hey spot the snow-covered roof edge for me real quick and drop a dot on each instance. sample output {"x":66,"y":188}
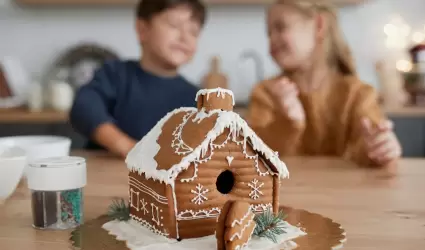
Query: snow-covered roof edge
{"x":141,"y":157}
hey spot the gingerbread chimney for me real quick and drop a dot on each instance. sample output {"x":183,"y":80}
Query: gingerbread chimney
{"x":218,"y":98}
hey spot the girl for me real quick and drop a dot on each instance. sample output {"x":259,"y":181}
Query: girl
{"x":318,"y":106}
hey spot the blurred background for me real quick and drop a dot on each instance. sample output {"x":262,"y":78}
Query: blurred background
{"x":48,"y":48}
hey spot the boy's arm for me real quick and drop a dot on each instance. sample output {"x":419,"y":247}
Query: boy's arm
{"x":365,"y":106}
{"x":91,"y":112}
{"x":278,"y":132}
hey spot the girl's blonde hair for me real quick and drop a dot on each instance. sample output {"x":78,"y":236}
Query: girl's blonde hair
{"x":339,"y":53}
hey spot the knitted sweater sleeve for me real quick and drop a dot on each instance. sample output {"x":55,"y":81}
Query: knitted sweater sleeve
{"x":278,"y":132}
{"x":365,"y":105}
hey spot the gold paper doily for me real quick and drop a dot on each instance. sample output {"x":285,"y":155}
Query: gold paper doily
{"x":322,"y":233}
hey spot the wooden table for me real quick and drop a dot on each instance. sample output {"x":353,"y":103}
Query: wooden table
{"x":378,"y":212}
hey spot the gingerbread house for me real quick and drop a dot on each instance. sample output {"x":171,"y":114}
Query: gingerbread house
{"x":193,"y":161}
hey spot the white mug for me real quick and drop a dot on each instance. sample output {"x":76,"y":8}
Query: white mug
{"x":62,"y":96}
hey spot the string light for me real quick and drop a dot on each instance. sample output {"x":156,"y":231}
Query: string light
{"x":397,"y":32}
{"x":404,"y":65}
{"x":418,"y":37}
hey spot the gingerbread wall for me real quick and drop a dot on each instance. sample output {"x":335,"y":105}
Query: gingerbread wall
{"x":198,"y":200}
{"x":149,"y":204}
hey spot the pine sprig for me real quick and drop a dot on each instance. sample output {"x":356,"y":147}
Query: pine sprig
{"x":119,"y":210}
{"x":269,"y":225}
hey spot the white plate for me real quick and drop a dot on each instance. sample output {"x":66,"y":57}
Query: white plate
{"x":37,"y":147}
{"x":12,"y":165}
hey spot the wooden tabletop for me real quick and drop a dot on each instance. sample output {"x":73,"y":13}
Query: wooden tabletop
{"x":377,"y":211}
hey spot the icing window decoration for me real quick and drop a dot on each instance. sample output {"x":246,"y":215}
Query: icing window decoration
{"x":255,"y":186}
{"x":134,"y":199}
{"x":225,"y":182}
{"x":155,"y":214}
{"x":199,"y":194}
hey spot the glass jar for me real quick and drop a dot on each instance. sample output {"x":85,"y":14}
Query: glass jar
{"x":56,"y":186}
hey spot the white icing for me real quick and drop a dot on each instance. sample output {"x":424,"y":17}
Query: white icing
{"x":229,"y":159}
{"x":144,"y":208}
{"x":147,"y":190}
{"x":199,"y":194}
{"x":141,"y":157}
{"x":260,"y":208}
{"x":240,"y":234}
{"x":178,"y":144}
{"x":175,"y":208}
{"x":139,"y":238}
{"x":201,"y":214}
{"x":148,"y":226}
{"x":155,"y":214}
{"x":239,"y":222}
{"x":136,"y":206}
{"x":255,"y":192}
{"x":219,"y":91}
{"x":244,"y":245}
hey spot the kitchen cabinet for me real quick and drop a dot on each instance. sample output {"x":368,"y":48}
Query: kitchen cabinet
{"x":411,"y":134}
{"x":133,"y":2}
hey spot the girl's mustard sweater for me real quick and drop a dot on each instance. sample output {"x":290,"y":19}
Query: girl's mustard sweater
{"x":333,"y":120}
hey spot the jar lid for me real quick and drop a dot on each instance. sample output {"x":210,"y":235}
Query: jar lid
{"x":57,"y":173}
{"x":58,"y":162}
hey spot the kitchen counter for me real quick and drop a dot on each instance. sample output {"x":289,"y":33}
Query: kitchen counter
{"x":409,"y":126}
{"x":378,"y":212}
{"x":391,"y":112}
{"x":22,"y":115}
{"x":405,"y":111}
{"x":50,"y":116}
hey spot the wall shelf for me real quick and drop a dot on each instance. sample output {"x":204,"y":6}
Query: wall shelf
{"x":124,"y":3}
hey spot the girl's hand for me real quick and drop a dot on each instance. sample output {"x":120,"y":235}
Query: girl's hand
{"x":381,"y":142}
{"x":286,"y":94}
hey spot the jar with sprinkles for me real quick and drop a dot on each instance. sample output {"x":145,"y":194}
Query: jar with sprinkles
{"x":56,"y":186}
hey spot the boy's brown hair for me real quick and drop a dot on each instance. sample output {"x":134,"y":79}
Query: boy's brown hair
{"x":146,"y":9}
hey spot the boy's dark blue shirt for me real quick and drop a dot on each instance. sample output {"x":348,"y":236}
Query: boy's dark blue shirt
{"x":133,"y":99}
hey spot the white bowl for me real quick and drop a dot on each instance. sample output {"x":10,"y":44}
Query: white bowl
{"x":37,"y":147}
{"x":12,"y":164}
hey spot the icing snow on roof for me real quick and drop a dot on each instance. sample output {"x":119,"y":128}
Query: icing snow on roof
{"x":220,"y":93}
{"x":141,"y":157}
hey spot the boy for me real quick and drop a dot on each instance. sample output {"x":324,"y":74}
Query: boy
{"x":124,"y":100}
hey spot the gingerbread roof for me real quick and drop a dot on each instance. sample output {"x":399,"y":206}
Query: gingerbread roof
{"x":186,"y":135}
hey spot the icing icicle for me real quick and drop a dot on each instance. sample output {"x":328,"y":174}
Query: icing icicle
{"x":219,"y":91}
